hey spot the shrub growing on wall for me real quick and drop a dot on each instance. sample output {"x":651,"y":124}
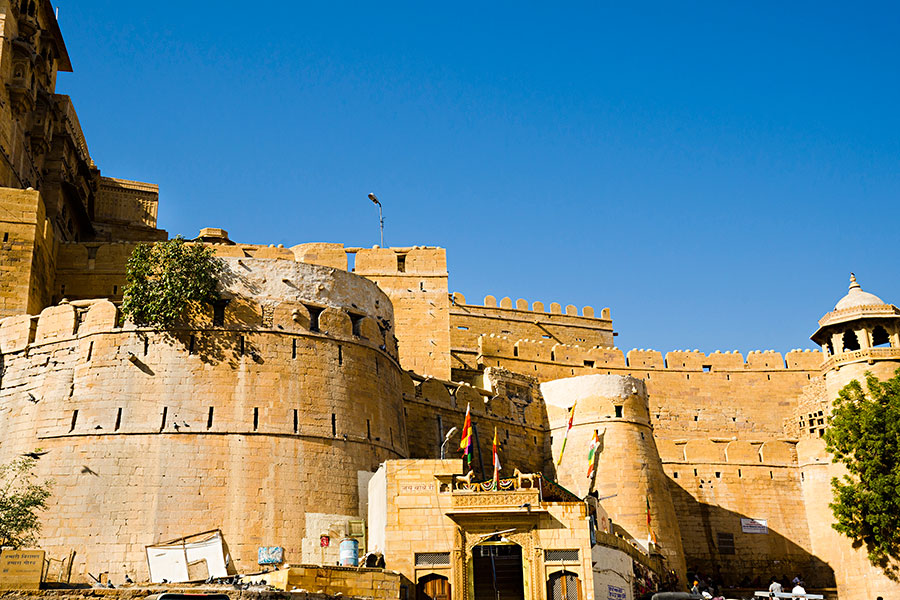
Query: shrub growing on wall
{"x":163,"y":278}
{"x":864,"y":434}
{"x":21,"y":497}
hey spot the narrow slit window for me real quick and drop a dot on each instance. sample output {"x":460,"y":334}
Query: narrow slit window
{"x":241,"y":345}
{"x":74,"y":420}
{"x":340,"y":355}
{"x":255,"y":419}
{"x":192,"y":344}
{"x":296,"y":421}
{"x":118,"y":419}
{"x":294,"y":348}
{"x":209,"y":418}
{"x":6,"y":236}
{"x":333,"y":425}
{"x":368,"y":430}
{"x":401,"y":263}
{"x":165,"y":412}
{"x":90,"y":351}
{"x":146,"y":346}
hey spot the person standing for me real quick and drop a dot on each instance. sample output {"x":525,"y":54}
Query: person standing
{"x":775,"y":587}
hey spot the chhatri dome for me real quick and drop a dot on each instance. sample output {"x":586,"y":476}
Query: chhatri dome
{"x":857,"y":297}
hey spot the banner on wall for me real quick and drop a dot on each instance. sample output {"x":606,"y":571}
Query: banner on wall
{"x":754,"y":525}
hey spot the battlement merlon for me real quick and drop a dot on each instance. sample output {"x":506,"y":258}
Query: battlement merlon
{"x":492,"y":347}
{"x":521,"y":305}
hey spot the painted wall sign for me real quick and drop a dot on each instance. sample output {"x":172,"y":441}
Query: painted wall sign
{"x":615,"y":592}
{"x":21,"y":569}
{"x":754,"y":525}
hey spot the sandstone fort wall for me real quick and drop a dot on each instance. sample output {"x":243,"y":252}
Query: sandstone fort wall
{"x":716,"y":483}
{"x":555,"y":324}
{"x":692,"y":394}
{"x":264,"y":426}
{"x":28,"y":251}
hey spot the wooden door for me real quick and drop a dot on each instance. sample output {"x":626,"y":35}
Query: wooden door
{"x":433,"y":587}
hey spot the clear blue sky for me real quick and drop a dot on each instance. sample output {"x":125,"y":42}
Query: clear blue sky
{"x":710,"y":171}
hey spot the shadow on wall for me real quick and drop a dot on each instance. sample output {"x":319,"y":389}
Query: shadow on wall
{"x":715,"y":545}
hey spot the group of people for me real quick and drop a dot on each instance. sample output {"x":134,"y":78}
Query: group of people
{"x":799,"y":588}
{"x":706,"y":588}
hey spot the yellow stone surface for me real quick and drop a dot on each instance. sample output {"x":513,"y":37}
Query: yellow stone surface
{"x":21,"y":569}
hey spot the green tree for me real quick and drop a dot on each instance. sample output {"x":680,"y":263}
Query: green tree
{"x":164,"y":277}
{"x":864,"y":435}
{"x":21,"y":497}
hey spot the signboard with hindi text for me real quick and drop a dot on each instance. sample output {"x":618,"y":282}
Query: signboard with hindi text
{"x":754,"y":525}
{"x":21,"y":569}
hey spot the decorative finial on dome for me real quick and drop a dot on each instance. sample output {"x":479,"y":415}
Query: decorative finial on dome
{"x":853,"y":283}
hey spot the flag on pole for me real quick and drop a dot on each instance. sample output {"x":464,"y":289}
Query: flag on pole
{"x":465,"y":444}
{"x":566,"y":436}
{"x":496,"y":463}
{"x":592,"y":453}
{"x":651,"y":537}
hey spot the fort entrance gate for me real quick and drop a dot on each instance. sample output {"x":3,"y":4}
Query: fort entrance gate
{"x":497,"y":572}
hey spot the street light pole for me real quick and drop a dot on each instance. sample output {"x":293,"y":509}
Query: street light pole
{"x":447,"y":439}
{"x":374,"y":199}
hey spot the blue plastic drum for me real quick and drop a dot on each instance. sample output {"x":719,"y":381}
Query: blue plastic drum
{"x":349,"y":552}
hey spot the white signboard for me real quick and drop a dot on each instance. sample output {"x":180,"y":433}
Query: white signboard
{"x":754,"y":525}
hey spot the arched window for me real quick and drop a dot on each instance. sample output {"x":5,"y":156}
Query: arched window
{"x":563,"y":585}
{"x":851,"y":342}
{"x":880,"y":336}
{"x":433,"y":587}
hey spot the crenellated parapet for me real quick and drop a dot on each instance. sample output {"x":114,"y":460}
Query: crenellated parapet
{"x":493,"y":347}
{"x":522,"y":305}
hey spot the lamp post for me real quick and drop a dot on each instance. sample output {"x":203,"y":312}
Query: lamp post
{"x":447,"y":439}
{"x":374,"y":199}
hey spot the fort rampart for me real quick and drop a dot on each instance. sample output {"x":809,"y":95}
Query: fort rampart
{"x":265,"y":420}
{"x":692,"y":394}
{"x":716,"y":483}
{"x":518,"y":320}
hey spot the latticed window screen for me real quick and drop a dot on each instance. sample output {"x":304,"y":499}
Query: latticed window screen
{"x":726,"y":542}
{"x":560,"y":555}
{"x":432,"y":559}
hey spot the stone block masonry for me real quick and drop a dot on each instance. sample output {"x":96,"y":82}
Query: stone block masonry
{"x":249,"y":426}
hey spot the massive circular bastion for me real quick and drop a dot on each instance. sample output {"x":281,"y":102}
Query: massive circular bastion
{"x":262,"y":416}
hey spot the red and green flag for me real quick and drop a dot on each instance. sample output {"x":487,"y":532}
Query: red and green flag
{"x":566,"y":436}
{"x":496,"y":463}
{"x":651,"y":537}
{"x":592,"y":453}
{"x":465,"y":444}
